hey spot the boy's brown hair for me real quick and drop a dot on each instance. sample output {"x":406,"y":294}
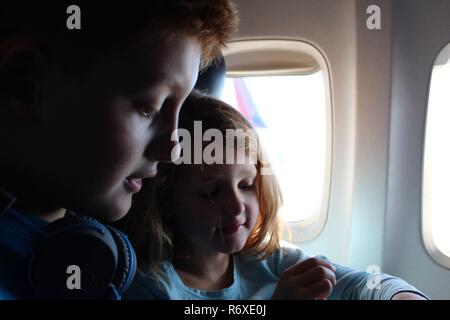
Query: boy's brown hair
{"x":114,"y":26}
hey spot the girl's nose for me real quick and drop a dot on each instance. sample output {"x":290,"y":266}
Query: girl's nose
{"x":234,"y":203}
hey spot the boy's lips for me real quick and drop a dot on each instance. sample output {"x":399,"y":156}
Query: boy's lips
{"x":133,"y":184}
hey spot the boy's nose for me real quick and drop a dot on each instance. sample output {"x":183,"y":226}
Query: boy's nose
{"x":168,"y":149}
{"x":164,"y":146}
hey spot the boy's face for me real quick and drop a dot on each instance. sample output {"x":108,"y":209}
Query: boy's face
{"x":215,"y":207}
{"x":101,"y":136}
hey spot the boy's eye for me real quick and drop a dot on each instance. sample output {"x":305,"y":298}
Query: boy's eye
{"x":145,"y":108}
{"x":147,"y":115}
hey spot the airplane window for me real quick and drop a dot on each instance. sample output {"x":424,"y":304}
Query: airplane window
{"x":289,"y":113}
{"x":283,"y":88}
{"x":436,"y":171}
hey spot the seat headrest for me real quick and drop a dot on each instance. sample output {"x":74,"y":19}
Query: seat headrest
{"x":212,"y":79}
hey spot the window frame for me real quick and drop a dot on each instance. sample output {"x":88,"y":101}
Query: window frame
{"x":310,"y":228}
{"x":426,"y":218}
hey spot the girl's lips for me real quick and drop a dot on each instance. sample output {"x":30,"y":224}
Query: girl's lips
{"x":231,"y":229}
{"x":133,"y":184}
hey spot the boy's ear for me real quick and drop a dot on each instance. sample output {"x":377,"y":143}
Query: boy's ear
{"x":20,"y":75}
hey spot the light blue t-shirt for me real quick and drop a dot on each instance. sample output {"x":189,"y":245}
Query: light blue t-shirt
{"x":257,"y":279}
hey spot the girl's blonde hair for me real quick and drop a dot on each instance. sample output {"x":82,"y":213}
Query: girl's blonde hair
{"x":149,"y":226}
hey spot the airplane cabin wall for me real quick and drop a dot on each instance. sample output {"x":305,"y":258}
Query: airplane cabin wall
{"x":420,"y":30}
{"x":359,"y":61}
{"x":326,"y":25}
{"x":379,"y":87}
{"x":373,"y":64}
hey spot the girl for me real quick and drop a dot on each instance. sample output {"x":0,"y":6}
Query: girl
{"x":209,"y":229}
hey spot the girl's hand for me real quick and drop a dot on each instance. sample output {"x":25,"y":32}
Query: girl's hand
{"x":311,"y":279}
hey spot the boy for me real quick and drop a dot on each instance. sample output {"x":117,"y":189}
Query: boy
{"x":87,"y":114}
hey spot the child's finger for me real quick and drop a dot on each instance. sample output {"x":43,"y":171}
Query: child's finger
{"x":313,"y":275}
{"x":319,"y":290}
{"x":307,"y":264}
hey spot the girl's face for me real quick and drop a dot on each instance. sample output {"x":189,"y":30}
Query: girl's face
{"x":215,"y":206}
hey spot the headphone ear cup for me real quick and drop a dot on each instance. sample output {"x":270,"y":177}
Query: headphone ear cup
{"x":127,"y":261}
{"x":77,"y":260}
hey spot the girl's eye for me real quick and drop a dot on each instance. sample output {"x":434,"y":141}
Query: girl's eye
{"x":247,"y":187}
{"x":209,"y":193}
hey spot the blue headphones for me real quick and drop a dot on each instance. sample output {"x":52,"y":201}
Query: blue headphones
{"x":80,"y":258}
{"x":75,"y":257}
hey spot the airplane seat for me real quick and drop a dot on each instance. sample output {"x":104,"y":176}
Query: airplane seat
{"x":212,"y":79}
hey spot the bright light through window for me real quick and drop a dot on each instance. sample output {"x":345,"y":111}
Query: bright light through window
{"x":436,"y":188}
{"x":289,"y":113}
